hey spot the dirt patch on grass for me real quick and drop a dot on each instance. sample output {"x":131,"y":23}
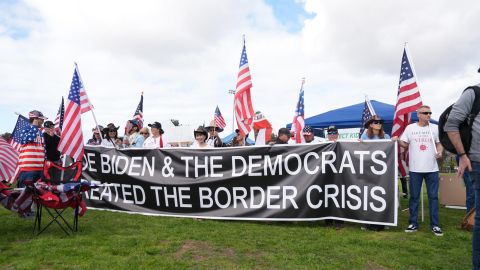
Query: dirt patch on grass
{"x":201,"y":251}
{"x":374,"y":266}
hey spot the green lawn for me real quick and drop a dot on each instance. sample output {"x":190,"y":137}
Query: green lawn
{"x":109,"y":240}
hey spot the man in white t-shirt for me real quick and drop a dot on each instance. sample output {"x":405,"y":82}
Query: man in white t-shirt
{"x":424,"y":149}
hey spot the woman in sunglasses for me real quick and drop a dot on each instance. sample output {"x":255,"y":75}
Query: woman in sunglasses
{"x":111,"y":135}
{"x":374,"y":129}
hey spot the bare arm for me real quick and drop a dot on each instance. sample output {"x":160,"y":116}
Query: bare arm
{"x":464,"y":162}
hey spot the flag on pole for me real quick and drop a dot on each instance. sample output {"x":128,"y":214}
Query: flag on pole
{"x":137,"y":115}
{"x":367,"y":113}
{"x":263,"y":127}
{"x":408,"y":101}
{"x":243,"y":102}
{"x":15,"y":140}
{"x":85,"y":104}
{"x":59,"y":118}
{"x":299,"y":119}
{"x":219,"y":120}
{"x":71,"y":139}
{"x":8,"y":160}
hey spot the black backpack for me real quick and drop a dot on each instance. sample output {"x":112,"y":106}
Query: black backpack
{"x":465,"y":127}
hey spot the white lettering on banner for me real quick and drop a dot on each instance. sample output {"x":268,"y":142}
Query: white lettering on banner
{"x":276,"y":164}
{"x":253,"y":166}
{"x":298,"y":167}
{"x":271,"y":196}
{"x":205,"y":194}
{"x":347,"y":163}
{"x":234,"y":166}
{"x":330,"y":162}
{"x":90,"y":162}
{"x":361,"y":154}
{"x":260,"y":194}
{"x":333,"y":193}
{"x":135,"y":194}
{"x":187,"y":169}
{"x":379,"y":162}
{"x":119,"y":165}
{"x":241,"y":198}
{"x":307,"y":169}
{"x":177,"y":195}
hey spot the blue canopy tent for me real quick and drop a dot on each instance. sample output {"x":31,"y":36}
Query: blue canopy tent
{"x":351,"y":117}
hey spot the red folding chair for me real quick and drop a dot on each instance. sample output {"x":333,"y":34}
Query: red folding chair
{"x":59,"y":190}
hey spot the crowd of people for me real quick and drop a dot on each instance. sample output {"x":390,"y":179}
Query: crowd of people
{"x":39,"y":142}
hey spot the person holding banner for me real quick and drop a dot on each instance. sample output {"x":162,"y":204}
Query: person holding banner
{"x":424,"y":148}
{"x":200,"y":135}
{"x":156,"y":140}
{"x":111,"y":136}
{"x":213,"y":138}
{"x":96,"y":137}
{"x":284,"y":136}
{"x":309,"y":136}
{"x":374,"y":131}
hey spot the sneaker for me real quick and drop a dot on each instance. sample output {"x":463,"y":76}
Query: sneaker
{"x":437,"y":231}
{"x":411,"y":228}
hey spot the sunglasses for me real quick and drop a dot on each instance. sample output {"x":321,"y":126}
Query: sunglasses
{"x":143,"y":133}
{"x":332,"y":132}
{"x":425,"y":113}
{"x":376,"y":122}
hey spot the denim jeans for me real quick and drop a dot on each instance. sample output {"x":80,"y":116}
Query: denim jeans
{"x":28,"y":175}
{"x":416,"y":180}
{"x":469,"y":190}
{"x":475,"y":176}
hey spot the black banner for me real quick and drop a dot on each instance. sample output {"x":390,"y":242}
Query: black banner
{"x":345,"y":180}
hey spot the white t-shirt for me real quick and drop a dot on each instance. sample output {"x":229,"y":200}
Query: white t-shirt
{"x":151,"y":142}
{"x":421,"y":152}
{"x":108,"y":143}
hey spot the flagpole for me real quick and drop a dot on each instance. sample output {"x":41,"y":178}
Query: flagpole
{"x":370,"y":106}
{"x":91,"y":107}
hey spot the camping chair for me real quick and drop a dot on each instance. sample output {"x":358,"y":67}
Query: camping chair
{"x":59,"y":190}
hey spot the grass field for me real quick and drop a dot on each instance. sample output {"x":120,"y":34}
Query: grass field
{"x":108,"y":240}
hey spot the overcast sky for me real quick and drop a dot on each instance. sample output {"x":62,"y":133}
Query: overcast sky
{"x":184,"y":55}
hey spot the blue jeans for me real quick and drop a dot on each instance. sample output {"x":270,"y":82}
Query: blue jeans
{"x":475,"y":176}
{"x":416,"y":180}
{"x":29,"y":175}
{"x":469,"y":190}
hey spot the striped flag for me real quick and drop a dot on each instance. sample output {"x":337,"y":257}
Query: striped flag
{"x":299,"y":119}
{"x":22,"y":122}
{"x":243,"y":102}
{"x":8,"y":160}
{"x":368,"y":112}
{"x":408,"y":101}
{"x":84,"y":101}
{"x":219,"y":120}
{"x":71,"y":139}
{"x":59,"y":118}
{"x":137,"y":115}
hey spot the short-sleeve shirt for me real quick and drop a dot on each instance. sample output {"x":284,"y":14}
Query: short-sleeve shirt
{"x":421,"y":151}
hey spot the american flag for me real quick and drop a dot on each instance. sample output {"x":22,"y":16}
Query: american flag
{"x":299,"y":119}
{"x":408,"y":100}
{"x":84,"y":101}
{"x":137,"y":115}
{"x":22,"y":122}
{"x":367,"y":113}
{"x":139,"y":112}
{"x":32,"y":151}
{"x":219,"y":120}
{"x":59,"y":118}
{"x":8,"y":160}
{"x":243,"y":102}
{"x":71,"y":139}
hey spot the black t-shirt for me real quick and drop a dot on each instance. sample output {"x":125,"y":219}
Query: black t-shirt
{"x":51,"y":144}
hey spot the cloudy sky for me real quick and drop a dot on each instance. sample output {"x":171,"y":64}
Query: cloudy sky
{"x":184,"y":55}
